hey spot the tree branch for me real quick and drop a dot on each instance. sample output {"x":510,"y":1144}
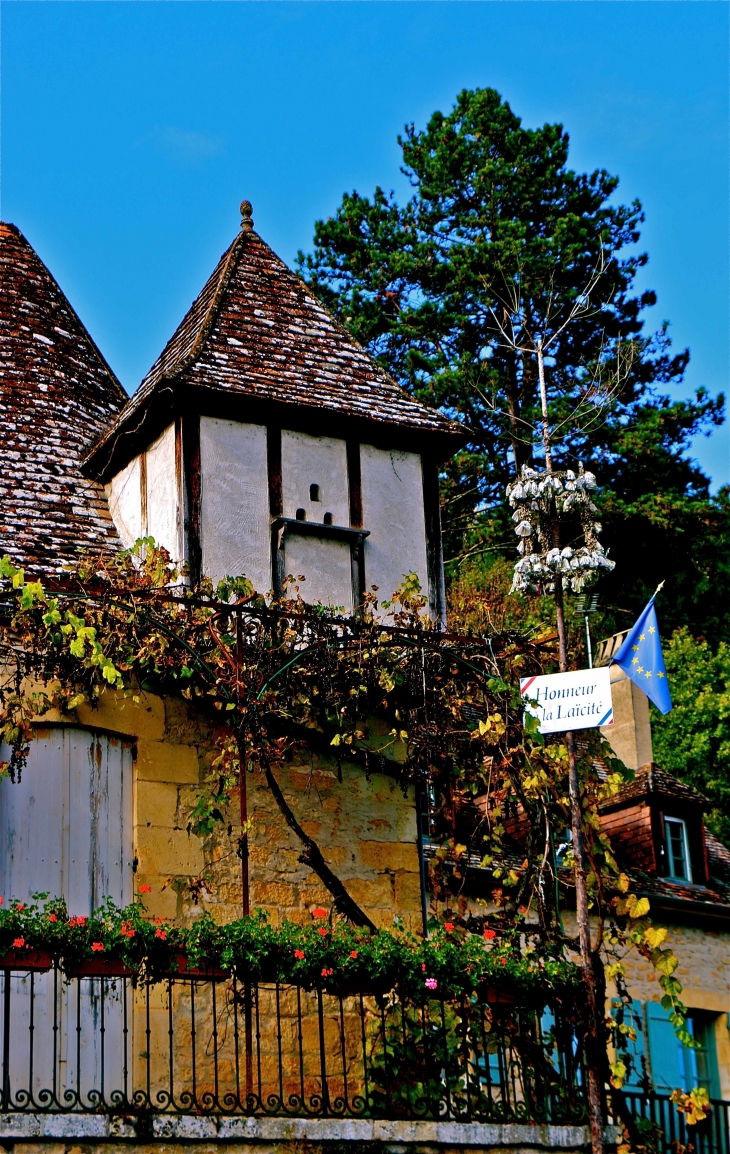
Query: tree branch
{"x":311,"y":855}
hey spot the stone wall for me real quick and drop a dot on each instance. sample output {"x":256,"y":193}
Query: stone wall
{"x":365,"y":827}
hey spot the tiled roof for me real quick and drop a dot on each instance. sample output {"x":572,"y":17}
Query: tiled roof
{"x":652,"y":780}
{"x":56,"y":394}
{"x":257,"y":332}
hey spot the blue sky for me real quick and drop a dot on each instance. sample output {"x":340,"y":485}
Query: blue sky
{"x":131,"y":131}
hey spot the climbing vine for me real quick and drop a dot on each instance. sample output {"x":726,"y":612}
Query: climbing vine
{"x":381,"y":690}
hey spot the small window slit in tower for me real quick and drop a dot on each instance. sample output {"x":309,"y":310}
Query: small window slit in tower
{"x":329,"y":519}
{"x":315,"y":493}
{"x":301,"y":514}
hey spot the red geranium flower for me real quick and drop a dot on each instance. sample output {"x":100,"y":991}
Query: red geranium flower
{"x":19,"y":943}
{"x":318,"y":912}
{"x":299,"y":954}
{"x":97,"y":947}
{"x":490,"y":934}
{"x":503,"y":961}
{"x":160,"y":934}
{"x":21,"y":906}
{"x":353,"y":953}
{"x":145,"y":889}
{"x":448,"y":926}
{"x":327,"y":973}
{"x":322,"y":931}
{"x":52,"y":918}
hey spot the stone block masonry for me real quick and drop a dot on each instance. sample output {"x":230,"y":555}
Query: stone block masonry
{"x":365,"y":827}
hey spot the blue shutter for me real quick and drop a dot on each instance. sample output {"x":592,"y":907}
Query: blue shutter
{"x":637,"y":1051}
{"x":667,"y":1056}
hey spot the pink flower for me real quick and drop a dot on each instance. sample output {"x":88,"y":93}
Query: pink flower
{"x":97,"y":947}
{"x":145,"y":889}
{"x":490,"y":934}
{"x":19,"y":943}
{"x":431,"y":984}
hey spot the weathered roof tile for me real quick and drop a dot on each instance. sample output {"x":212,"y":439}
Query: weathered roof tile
{"x":56,"y":394}
{"x":257,"y":332}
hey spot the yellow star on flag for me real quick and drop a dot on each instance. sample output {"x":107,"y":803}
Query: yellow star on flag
{"x":635,"y":648}
{"x":634,"y":660}
{"x":652,"y":629}
{"x":660,"y":674}
{"x":642,"y":637}
{"x":648,"y":673}
{"x":640,"y":669}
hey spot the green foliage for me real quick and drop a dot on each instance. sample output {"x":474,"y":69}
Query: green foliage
{"x":498,"y":226}
{"x":693,"y":740}
{"x":325,"y":954}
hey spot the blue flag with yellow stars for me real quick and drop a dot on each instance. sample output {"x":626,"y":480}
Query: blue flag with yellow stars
{"x":641,"y":659}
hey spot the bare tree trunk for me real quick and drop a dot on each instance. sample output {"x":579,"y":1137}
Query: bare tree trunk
{"x":593,"y":1064}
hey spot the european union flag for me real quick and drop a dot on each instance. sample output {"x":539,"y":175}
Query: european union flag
{"x":641,"y":659}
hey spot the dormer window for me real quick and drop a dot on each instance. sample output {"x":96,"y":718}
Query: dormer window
{"x":678,"y":860}
{"x":315,"y":493}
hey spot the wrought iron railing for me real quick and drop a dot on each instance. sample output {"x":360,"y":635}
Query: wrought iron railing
{"x":671,"y":1131}
{"x":214,"y":1045}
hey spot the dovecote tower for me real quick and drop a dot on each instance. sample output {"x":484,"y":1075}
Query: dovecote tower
{"x":57,"y":393}
{"x":265,"y":441}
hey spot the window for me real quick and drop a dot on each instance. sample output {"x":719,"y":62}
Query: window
{"x":675,"y":832}
{"x":329,"y":519}
{"x":315,"y":493}
{"x":301,"y":514}
{"x":673,"y":1064}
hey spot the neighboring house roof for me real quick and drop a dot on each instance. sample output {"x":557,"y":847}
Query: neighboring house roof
{"x":56,"y":394}
{"x":651,"y":780}
{"x":257,"y":340}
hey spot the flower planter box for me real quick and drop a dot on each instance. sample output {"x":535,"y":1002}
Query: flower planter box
{"x":498,"y":996}
{"x":182,"y":969}
{"x":99,"y":968}
{"x":36,"y":960}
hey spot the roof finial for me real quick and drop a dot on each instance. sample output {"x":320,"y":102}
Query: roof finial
{"x":246,"y":221}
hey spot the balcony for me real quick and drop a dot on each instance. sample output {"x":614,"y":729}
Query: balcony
{"x":208,"y":1050}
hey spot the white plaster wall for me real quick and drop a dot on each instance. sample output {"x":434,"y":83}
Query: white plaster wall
{"x":125,"y":503}
{"x":322,"y":461}
{"x":234,"y":514}
{"x":163,"y":511}
{"x":392,"y":509}
{"x":327,"y":567}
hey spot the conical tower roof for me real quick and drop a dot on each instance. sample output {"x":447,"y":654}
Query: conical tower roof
{"x":257,"y":345}
{"x":57,"y":394}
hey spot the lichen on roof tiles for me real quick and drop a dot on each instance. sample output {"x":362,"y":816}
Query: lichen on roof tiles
{"x":56,"y":394}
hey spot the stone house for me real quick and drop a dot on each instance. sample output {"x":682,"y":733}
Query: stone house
{"x":265,"y":441}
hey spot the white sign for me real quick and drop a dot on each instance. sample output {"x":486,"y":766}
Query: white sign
{"x":579,"y":700}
